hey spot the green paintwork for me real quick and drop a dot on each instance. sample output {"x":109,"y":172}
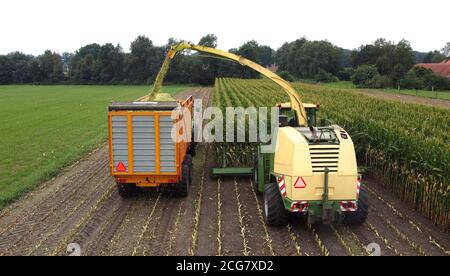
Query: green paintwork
{"x":265,"y":168}
{"x":233,"y":171}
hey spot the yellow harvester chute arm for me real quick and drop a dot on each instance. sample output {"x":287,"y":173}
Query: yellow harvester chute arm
{"x":296,"y":103}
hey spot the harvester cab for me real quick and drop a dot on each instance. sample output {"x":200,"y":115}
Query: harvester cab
{"x":285,"y":111}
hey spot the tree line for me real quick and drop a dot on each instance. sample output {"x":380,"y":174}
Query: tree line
{"x":381,"y":64}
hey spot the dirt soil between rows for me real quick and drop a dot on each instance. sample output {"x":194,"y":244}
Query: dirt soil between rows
{"x":219,"y":217}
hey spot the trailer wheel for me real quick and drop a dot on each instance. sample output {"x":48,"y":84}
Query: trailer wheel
{"x":188,"y":160}
{"x":181,"y":188}
{"x":192,"y":149}
{"x":192,"y":145}
{"x":126,"y":190}
{"x":274,"y":212}
{"x":359,"y":216}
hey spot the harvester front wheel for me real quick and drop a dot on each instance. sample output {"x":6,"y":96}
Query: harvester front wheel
{"x":274,"y":212}
{"x":126,"y":190}
{"x":358,"y":217}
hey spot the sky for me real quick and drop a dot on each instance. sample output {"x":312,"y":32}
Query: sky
{"x":32,"y":26}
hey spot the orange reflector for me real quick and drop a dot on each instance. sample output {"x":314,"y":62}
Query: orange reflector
{"x":121,"y":167}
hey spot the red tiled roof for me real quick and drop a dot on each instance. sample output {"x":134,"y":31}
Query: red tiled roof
{"x":441,"y":69}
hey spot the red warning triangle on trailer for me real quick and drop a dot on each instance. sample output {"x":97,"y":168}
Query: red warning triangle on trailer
{"x":121,"y":167}
{"x":300,"y":183}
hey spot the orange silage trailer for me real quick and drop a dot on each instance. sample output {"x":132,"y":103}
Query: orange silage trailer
{"x":151,"y":145}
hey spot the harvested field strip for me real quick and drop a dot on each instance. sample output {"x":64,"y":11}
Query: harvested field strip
{"x":382,"y":238}
{"x":62,"y":245}
{"x":127,"y":232}
{"x":399,"y":233}
{"x":219,"y":219}
{"x":26,"y":228}
{"x":62,"y":220}
{"x":421,"y":229}
{"x":323,"y":249}
{"x":175,"y":229}
{"x":245,"y":249}
{"x":95,"y":245}
{"x":267,"y":239}
{"x":198,"y":206}
{"x":294,"y":240}
{"x":327,"y":237}
{"x":349,"y":241}
{"x":145,"y":227}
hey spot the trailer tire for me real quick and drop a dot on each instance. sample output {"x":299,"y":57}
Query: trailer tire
{"x":358,"y":217}
{"x":126,"y":190}
{"x":188,"y":160}
{"x":192,"y":149}
{"x":274,"y":212}
{"x":182,"y":187}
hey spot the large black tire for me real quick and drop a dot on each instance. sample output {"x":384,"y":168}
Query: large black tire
{"x":193,"y":145}
{"x":359,"y":217}
{"x":182,"y":187}
{"x":274,"y":212}
{"x":188,"y":160}
{"x":126,"y":190}
{"x":192,"y":149}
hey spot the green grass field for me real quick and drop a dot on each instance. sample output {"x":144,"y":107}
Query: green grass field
{"x":45,"y":128}
{"x":443,"y":95}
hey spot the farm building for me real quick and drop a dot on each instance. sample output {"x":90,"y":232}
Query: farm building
{"x":441,"y":69}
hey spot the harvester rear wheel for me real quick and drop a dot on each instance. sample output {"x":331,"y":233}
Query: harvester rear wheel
{"x":126,"y":190}
{"x":274,"y":212}
{"x":182,"y":187}
{"x":359,"y":216}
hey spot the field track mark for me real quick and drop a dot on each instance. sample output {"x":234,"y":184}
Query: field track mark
{"x":382,"y":238}
{"x":26,"y":230}
{"x":50,"y":196}
{"x":399,"y":233}
{"x":70,"y":214}
{"x":421,"y":229}
{"x":145,"y":227}
{"x":295,"y":241}
{"x":156,"y":241}
{"x":255,"y":234}
{"x":267,"y":239}
{"x":349,"y":241}
{"x":125,"y":225}
{"x":329,"y":240}
{"x":174,"y":230}
{"x":219,"y":219}
{"x":245,"y":248}
{"x":95,"y":246}
{"x":42,"y":211}
{"x":320,"y":244}
{"x":65,"y":241}
{"x":194,"y":243}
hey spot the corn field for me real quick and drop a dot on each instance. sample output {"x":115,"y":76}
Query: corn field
{"x":405,"y":145}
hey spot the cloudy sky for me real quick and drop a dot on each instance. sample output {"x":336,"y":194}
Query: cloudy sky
{"x":65,"y":25}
